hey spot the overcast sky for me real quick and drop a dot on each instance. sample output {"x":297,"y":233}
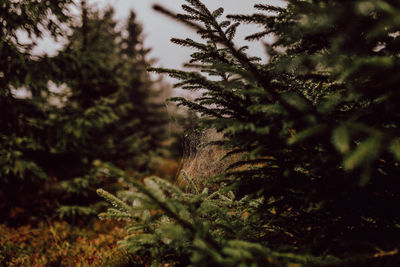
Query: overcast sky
{"x":158,"y":29}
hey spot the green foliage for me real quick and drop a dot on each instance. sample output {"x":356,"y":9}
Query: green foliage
{"x":317,"y":127}
{"x":168,"y":226}
{"x":111,"y":94}
{"x":13,"y":162}
{"x":23,"y":85}
{"x":93,"y":101}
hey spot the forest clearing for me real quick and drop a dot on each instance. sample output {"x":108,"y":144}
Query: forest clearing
{"x":290,"y":159}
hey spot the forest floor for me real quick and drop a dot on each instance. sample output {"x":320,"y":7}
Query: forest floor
{"x":58,"y":243}
{"x":55,"y":242}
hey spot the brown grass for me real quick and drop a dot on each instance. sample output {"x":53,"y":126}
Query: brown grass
{"x":202,"y":162}
{"x":58,"y":243}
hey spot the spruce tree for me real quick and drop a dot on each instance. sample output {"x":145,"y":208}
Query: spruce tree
{"x":316,"y":130}
{"x":23,"y":91}
{"x":66,"y":114}
{"x":294,"y":112}
{"x":111,"y":114}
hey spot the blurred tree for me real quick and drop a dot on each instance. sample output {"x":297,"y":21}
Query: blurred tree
{"x":63,"y":115}
{"x":138,"y":87}
{"x":23,"y":91}
{"x":112,"y":113}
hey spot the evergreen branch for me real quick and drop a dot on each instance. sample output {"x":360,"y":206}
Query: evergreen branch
{"x":203,"y":31}
{"x":218,"y":12}
{"x":192,"y":87}
{"x":269,"y":8}
{"x":255,"y":18}
{"x":250,"y":174}
{"x":234,"y":152}
{"x":231,"y":31}
{"x":117,"y":214}
{"x":194,"y":106}
{"x":191,"y":18}
{"x":249,"y":163}
{"x":262,"y":78}
{"x":258,"y":35}
{"x":116,"y":202}
{"x":165,"y":206}
{"x":191,"y":10}
{"x":199,"y":5}
{"x":175,"y":191}
{"x":225,"y":24}
{"x":192,"y":78}
{"x":190,"y":43}
{"x":240,"y":56}
{"x":170,"y":212}
{"x":182,"y":75}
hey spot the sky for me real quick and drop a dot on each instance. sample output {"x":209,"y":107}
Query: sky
{"x":158,"y":29}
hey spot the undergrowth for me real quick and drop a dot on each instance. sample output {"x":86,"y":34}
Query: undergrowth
{"x":57,"y":243}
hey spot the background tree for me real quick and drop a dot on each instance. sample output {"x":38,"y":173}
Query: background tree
{"x":93,"y":102}
{"x":111,"y":113}
{"x":23,"y":83}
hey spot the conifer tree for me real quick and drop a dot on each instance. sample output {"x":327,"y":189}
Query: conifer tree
{"x":139,"y":88}
{"x":23,"y":87}
{"x":109,"y":115}
{"x":89,"y":103}
{"x":316,"y":127}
